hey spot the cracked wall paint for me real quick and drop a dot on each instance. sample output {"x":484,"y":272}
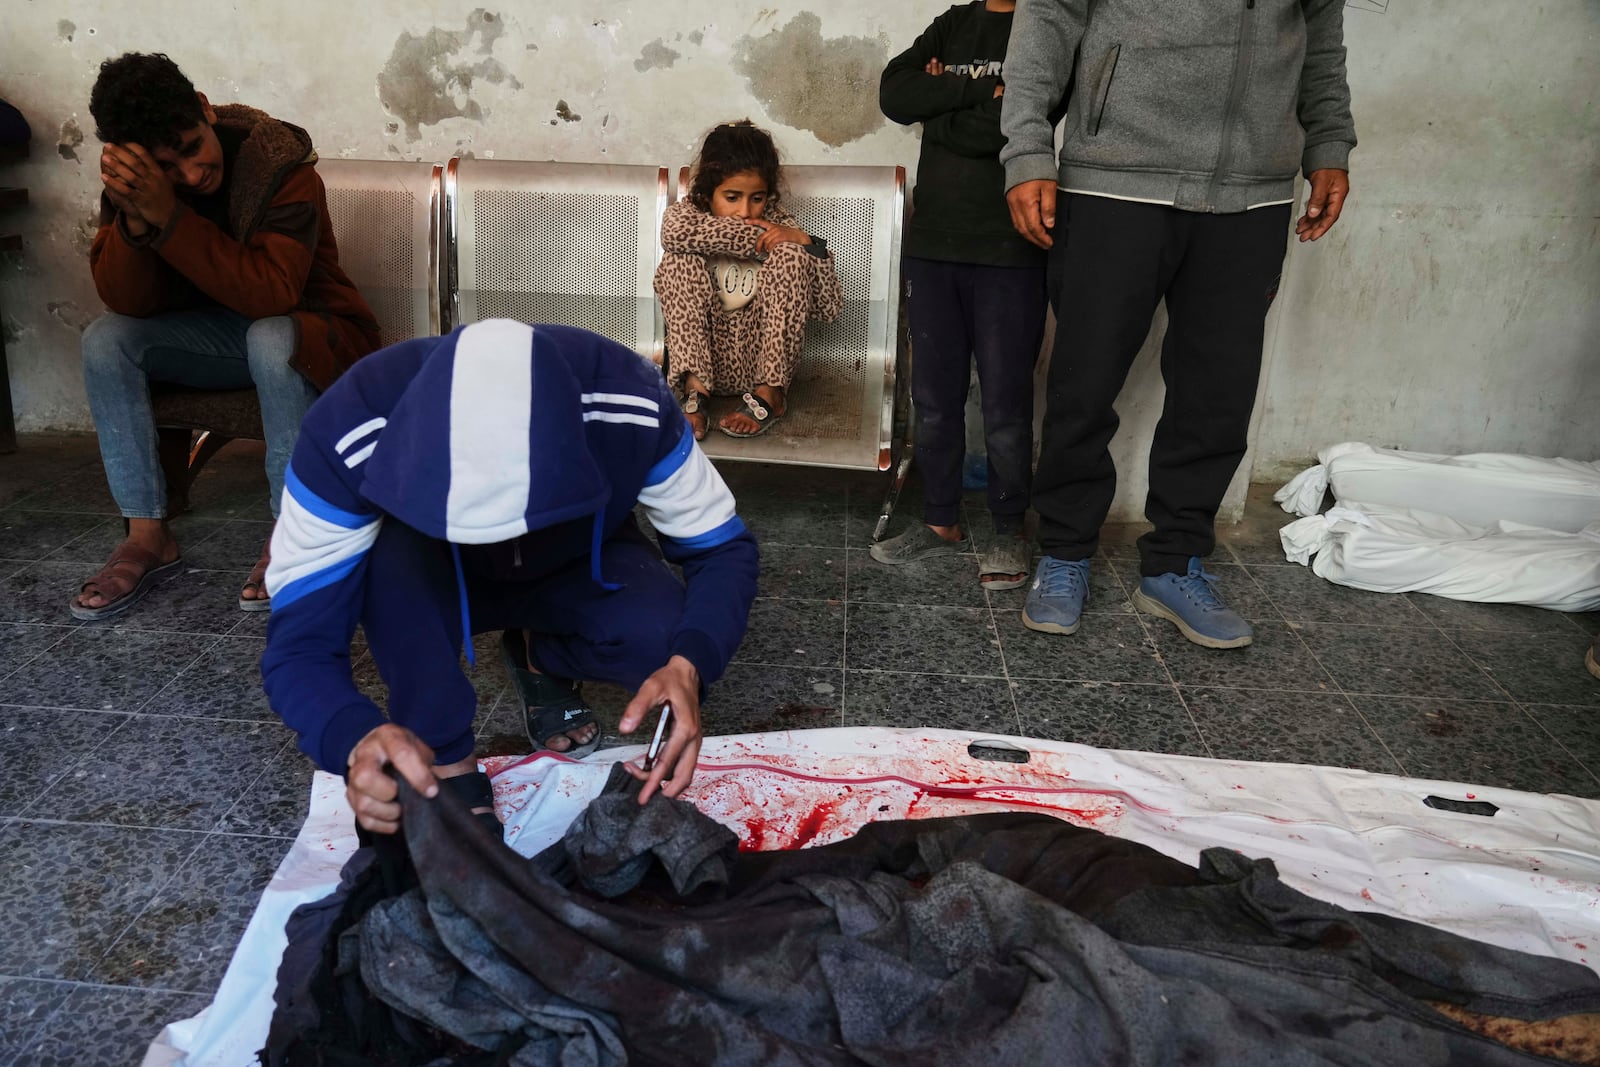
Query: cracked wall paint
{"x":82,"y":235}
{"x":426,"y":80}
{"x":655,"y":54}
{"x":69,"y":139}
{"x":70,"y":314}
{"x":826,"y":85}
{"x":1476,"y":302}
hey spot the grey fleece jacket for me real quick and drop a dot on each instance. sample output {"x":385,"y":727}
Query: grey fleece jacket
{"x":1207,"y":105}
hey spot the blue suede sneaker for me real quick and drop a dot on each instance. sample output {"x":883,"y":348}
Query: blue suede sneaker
{"x":1191,"y":602}
{"x":1055,"y":599}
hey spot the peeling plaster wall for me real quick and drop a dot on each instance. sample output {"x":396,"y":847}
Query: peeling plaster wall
{"x":1456,"y":305}
{"x":1452,"y":308}
{"x":625,"y":82}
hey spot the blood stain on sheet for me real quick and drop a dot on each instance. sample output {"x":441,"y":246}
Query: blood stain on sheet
{"x":1366,"y":894}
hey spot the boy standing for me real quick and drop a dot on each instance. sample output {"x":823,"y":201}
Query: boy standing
{"x":977,"y":287}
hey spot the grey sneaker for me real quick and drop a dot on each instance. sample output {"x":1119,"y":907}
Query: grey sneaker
{"x":917,"y":542}
{"x":1055,"y":600}
{"x":1190,"y":602}
{"x":1007,"y":561}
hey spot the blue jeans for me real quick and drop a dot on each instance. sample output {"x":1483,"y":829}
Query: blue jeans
{"x":208,"y":349}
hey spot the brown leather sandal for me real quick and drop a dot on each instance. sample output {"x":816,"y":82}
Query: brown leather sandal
{"x":128,"y":575}
{"x":257,"y":582}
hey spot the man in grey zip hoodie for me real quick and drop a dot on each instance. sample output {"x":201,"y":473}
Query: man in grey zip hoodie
{"x":1187,"y":122}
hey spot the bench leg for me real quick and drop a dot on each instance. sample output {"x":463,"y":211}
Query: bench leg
{"x":8,"y":426}
{"x":892,"y":497}
{"x":208,"y":445}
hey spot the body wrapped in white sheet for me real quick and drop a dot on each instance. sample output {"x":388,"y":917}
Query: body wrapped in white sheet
{"x":1491,"y":528}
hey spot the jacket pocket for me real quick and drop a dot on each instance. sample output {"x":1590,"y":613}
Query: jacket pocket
{"x":1102,"y":88}
{"x":1164,"y":112}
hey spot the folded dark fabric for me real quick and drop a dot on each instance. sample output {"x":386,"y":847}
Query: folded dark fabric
{"x":994,"y":939}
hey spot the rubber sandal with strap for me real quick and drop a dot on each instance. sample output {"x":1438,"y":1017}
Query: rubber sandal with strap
{"x":128,"y":563}
{"x":258,"y":582}
{"x":1006,"y":564}
{"x":759,"y":412}
{"x":694,"y":403}
{"x":550,"y":706}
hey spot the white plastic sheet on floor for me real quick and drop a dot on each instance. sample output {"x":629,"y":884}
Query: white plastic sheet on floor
{"x":1527,"y":877}
{"x":1491,"y":528}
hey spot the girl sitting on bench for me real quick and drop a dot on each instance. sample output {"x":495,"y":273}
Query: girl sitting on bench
{"x":737,"y":283}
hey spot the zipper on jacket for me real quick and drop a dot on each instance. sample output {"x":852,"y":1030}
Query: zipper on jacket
{"x":1235,"y":98}
{"x":1102,"y":94}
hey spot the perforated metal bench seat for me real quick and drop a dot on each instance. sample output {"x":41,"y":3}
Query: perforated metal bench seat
{"x":386,"y":217}
{"x":574,"y":244}
{"x":843,"y":399}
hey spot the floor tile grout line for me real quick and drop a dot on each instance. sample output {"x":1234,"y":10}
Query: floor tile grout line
{"x":1349,"y":699}
{"x":144,"y":716}
{"x":34,"y":820}
{"x":1493,"y":679}
{"x":844,"y":613}
{"x":200,"y":843}
{"x":994,"y":625}
{"x":66,"y":633}
{"x":215,"y":642}
{"x":77,"y":984}
{"x":53,"y":555}
{"x":183,"y":671}
{"x":266,"y":768}
{"x":1166,"y":669}
{"x":177,"y":870}
{"x":83,"y":758}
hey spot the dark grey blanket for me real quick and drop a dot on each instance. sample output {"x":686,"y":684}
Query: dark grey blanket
{"x":995,"y":940}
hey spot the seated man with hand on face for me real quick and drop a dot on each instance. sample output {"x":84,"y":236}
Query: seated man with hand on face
{"x":216,"y":258}
{"x":486,"y":480}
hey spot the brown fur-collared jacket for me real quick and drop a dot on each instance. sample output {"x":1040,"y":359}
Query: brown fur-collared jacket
{"x":276,"y":256}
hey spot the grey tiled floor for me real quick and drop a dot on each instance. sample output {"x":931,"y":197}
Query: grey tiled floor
{"x":148,"y":792}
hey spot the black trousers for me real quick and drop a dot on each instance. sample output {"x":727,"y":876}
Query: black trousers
{"x":1112,"y":263}
{"x":961,"y":312}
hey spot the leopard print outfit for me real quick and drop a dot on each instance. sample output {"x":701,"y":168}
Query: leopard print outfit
{"x":732,"y":352}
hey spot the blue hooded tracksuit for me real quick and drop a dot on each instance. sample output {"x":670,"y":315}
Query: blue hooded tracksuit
{"x":486,"y":480}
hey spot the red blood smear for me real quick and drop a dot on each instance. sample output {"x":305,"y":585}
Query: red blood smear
{"x":1472,"y":796}
{"x":1366,"y":894}
{"x":811,"y":826}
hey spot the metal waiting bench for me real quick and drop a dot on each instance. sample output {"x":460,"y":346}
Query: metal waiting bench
{"x":573,"y":244}
{"x":851,"y":379}
{"x":387,"y":222}
{"x":434,"y":246}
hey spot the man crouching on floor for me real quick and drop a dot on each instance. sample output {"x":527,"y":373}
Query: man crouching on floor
{"x":486,"y":480}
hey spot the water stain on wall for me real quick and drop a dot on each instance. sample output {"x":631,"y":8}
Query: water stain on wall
{"x":69,"y":314}
{"x":83,"y":234}
{"x":427,"y":80}
{"x":65,"y":28}
{"x":565,"y":113}
{"x":69,"y":139}
{"x":826,"y":85}
{"x":653,"y":55}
